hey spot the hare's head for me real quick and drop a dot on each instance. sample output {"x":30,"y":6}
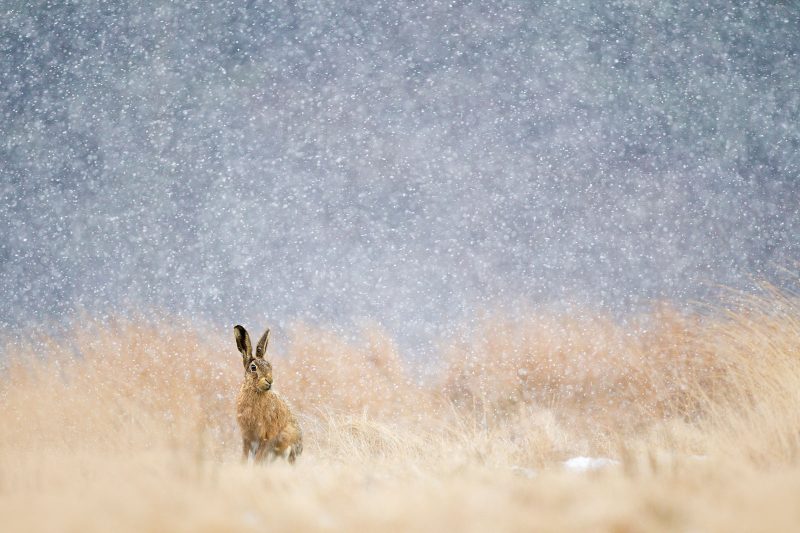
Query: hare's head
{"x":256,"y":368}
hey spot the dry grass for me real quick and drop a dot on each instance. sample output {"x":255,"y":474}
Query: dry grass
{"x":128,"y":426}
{"x":586,"y":364}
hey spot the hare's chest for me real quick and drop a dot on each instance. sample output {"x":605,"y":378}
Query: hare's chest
{"x":258,"y":421}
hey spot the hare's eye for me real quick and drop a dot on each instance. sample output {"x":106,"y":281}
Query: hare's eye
{"x":253,"y":367}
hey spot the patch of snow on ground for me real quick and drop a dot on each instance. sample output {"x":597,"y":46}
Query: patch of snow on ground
{"x":585,"y":464}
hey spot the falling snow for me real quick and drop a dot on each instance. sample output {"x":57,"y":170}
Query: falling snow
{"x":410,"y":163}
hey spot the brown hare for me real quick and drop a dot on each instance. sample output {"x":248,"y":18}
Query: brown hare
{"x":269,"y":429}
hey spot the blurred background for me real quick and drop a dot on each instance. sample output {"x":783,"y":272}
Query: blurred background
{"x":339,"y":162}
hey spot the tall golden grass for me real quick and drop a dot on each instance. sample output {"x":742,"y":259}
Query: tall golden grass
{"x":128,"y":425}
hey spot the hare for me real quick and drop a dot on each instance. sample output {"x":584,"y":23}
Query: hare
{"x":269,"y":429}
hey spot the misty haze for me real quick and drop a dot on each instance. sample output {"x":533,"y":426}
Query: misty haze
{"x":334,"y":162}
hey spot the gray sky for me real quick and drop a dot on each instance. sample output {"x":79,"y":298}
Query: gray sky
{"x":411,"y":165}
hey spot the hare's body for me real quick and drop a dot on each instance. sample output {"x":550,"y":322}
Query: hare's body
{"x":269,"y":428}
{"x":267,"y":424}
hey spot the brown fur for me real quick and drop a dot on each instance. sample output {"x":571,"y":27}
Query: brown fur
{"x":268,"y":426}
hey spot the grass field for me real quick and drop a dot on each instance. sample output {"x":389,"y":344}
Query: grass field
{"x":129,"y":426}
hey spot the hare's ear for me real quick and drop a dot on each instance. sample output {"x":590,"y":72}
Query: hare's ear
{"x":243,"y":343}
{"x":261,"y":347}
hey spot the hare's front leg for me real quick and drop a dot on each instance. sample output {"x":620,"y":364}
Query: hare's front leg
{"x":263,"y":451}
{"x":252,"y":447}
{"x":245,"y":449}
